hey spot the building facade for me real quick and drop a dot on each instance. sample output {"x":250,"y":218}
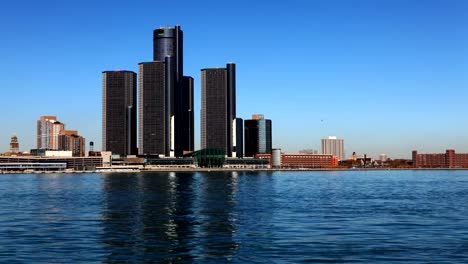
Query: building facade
{"x":257,"y":136}
{"x":449,"y":159}
{"x":333,"y":146}
{"x":14,"y":145}
{"x":76,"y":163}
{"x":165,"y":121}
{"x":154,"y":110}
{"x":48,"y":130}
{"x":303,"y":160}
{"x":218,"y":110}
{"x":119,"y":112}
{"x":69,"y":140}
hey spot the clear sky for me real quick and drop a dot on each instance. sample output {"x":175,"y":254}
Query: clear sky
{"x":387,"y":76}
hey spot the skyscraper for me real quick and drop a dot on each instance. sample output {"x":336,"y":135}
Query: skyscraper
{"x":257,"y":136}
{"x":334,"y":146}
{"x":119,"y":116}
{"x":172,"y":123}
{"x":48,"y":130}
{"x":218,"y":109}
{"x":154,"y":109}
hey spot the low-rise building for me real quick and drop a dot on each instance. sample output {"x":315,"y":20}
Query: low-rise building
{"x":75,"y":163}
{"x":449,"y":159}
{"x":289,"y":160}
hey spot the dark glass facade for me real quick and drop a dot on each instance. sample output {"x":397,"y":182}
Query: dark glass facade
{"x":187,"y":126}
{"x":176,"y":103}
{"x":218,"y":108}
{"x":238,"y":147}
{"x":209,"y":158}
{"x":119,"y":116}
{"x":153,"y":110}
{"x":257,"y":137}
{"x":169,"y":42}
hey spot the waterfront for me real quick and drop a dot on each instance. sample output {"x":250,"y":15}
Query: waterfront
{"x":252,"y":217}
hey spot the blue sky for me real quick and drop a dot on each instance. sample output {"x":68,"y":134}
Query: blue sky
{"x":386,"y":76}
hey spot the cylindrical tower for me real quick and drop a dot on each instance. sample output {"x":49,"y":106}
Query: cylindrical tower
{"x":168,"y":41}
{"x":276,"y":158}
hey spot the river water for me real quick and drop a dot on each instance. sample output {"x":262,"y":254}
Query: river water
{"x":236,"y":217}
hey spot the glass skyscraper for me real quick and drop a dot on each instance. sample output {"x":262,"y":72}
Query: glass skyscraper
{"x":119,"y":113}
{"x":218,"y":111}
{"x":172,"y":123}
{"x":257,"y":136}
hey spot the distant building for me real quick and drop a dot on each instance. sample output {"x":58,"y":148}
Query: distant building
{"x":308,"y":151}
{"x":257,"y":136}
{"x":119,"y":112}
{"x":48,"y":130}
{"x":449,"y":159}
{"x":76,"y":163}
{"x":333,"y":146}
{"x":218,"y":110}
{"x":303,"y":160}
{"x":383,"y":157}
{"x":69,"y":140}
{"x":14,"y":145}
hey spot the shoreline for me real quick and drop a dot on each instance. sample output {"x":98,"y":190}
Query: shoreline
{"x":116,"y":170}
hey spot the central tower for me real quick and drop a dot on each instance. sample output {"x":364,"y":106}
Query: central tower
{"x":168,"y":42}
{"x":166,"y":98}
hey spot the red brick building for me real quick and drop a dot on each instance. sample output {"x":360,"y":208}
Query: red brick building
{"x":304,"y":160}
{"x":449,"y":159}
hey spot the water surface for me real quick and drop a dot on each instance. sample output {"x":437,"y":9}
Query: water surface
{"x":238,"y":217}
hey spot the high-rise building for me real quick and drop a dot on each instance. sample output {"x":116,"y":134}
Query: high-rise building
{"x":334,"y":146}
{"x":69,"y":140}
{"x":257,"y":136}
{"x":119,"y":113}
{"x":154,"y":109}
{"x":14,"y":145}
{"x":171,"y":126}
{"x":218,"y":110}
{"x":48,"y":130}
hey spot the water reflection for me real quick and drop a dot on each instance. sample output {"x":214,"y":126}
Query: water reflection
{"x":169,"y":217}
{"x":284,"y":217}
{"x":216,"y":203}
{"x":148,"y":216}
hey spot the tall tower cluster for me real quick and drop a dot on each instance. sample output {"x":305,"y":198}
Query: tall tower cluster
{"x":165,"y":103}
{"x":165,"y":109}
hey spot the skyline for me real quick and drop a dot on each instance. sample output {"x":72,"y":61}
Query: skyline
{"x":373,"y":72}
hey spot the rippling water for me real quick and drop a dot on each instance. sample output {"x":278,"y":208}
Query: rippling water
{"x":280,"y":217}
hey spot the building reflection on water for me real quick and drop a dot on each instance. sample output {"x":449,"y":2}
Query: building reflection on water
{"x":218,"y":218}
{"x":169,"y":217}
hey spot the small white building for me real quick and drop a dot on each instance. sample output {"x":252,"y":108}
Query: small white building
{"x":58,"y":153}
